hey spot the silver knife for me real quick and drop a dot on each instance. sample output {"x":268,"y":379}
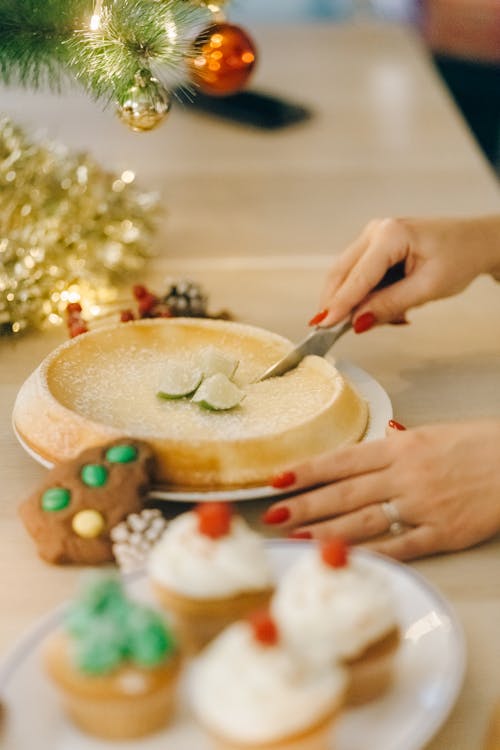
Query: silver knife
{"x":319,"y":342}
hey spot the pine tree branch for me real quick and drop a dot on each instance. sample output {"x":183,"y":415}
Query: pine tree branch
{"x":32,"y":39}
{"x":47,"y":42}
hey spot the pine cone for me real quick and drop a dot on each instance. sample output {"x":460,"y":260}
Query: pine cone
{"x":134,"y":538}
{"x":187,"y":299}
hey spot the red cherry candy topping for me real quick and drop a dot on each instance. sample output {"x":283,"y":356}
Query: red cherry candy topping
{"x":214,"y":519}
{"x":334,"y":553}
{"x":264,"y":628}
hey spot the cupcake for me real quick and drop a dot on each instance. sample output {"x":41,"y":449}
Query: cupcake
{"x":250,"y":691}
{"x":336,"y":606}
{"x":209,"y":569}
{"x":114,"y":662}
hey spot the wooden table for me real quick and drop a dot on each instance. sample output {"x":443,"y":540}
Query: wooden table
{"x":256,"y":217}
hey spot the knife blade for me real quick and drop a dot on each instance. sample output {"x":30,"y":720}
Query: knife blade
{"x":318,"y":342}
{"x":321,"y":340}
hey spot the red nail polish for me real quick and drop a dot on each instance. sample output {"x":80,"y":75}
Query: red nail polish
{"x":396,"y":425}
{"x":285,"y":479}
{"x":300,"y":535}
{"x":364,"y":322}
{"x":318,"y":318}
{"x":276,"y":515}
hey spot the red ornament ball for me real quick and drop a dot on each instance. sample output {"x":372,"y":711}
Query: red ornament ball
{"x":224,"y":57}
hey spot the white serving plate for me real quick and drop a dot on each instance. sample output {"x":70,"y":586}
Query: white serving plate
{"x":429,"y":674}
{"x":380,"y":409}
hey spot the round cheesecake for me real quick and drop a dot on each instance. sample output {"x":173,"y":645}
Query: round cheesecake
{"x":103,"y":385}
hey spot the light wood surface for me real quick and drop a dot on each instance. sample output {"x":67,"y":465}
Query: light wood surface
{"x":256,"y":217}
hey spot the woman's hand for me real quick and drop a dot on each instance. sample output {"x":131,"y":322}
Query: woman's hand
{"x":441,"y":257}
{"x":443,"y":481}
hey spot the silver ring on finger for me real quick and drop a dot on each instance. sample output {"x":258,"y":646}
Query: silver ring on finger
{"x":396,"y":525}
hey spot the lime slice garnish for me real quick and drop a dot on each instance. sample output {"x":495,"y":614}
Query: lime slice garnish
{"x":178,"y":380}
{"x":213,"y":361}
{"x":218,"y":393}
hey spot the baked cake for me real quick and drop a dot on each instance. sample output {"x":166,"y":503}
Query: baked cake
{"x":103,"y":385}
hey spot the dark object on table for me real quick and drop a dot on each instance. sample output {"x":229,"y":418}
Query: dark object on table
{"x":252,"y":108}
{"x":475,"y":86}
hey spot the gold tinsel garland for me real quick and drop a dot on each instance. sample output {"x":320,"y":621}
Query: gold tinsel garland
{"x":68,"y":230}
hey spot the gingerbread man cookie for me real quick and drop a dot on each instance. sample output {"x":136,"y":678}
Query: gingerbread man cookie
{"x":71,"y":515}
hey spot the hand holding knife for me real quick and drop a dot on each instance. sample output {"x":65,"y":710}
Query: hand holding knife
{"x":321,"y":340}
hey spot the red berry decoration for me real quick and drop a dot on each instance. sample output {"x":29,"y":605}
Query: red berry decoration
{"x":139,"y":291}
{"x":146,"y":304}
{"x":335,"y":553}
{"x":73,"y":308}
{"x":264,"y":628}
{"x":77,"y":328}
{"x":224,"y":57}
{"x":126,"y":316}
{"x":214,"y":519}
{"x":74,"y":320}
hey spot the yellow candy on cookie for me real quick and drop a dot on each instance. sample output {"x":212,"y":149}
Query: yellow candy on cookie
{"x":88,"y":524}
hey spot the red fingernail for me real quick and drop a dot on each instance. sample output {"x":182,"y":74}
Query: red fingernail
{"x":276,"y":515}
{"x":364,"y":322}
{"x":318,"y":318}
{"x":396,"y":425}
{"x":300,"y":535}
{"x":285,"y":479}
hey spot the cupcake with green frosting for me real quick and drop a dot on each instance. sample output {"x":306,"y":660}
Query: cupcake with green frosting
{"x":115,"y":663}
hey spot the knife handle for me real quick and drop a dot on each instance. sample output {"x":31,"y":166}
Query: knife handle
{"x":394,"y":274}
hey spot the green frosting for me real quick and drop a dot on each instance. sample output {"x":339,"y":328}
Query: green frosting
{"x":108,"y":629}
{"x":100,"y":600}
{"x":99,"y":652}
{"x":55,"y":498}
{"x":94,"y":475}
{"x":149,"y":640}
{"x":121,"y":454}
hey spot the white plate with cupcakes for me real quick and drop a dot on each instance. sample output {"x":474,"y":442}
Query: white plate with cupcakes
{"x":353,"y":651}
{"x":188,"y":387}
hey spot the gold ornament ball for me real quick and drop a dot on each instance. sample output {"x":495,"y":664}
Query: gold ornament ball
{"x":223,"y":60}
{"x":145,"y":106}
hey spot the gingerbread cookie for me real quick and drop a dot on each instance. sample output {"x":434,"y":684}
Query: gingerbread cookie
{"x":71,"y":515}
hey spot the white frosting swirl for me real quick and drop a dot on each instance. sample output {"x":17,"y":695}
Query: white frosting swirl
{"x":326,"y":613}
{"x":246,"y":692}
{"x":197,"y":566}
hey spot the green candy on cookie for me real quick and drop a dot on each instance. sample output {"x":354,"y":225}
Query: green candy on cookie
{"x":94,"y":475}
{"x":121,"y":454}
{"x":55,"y":498}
